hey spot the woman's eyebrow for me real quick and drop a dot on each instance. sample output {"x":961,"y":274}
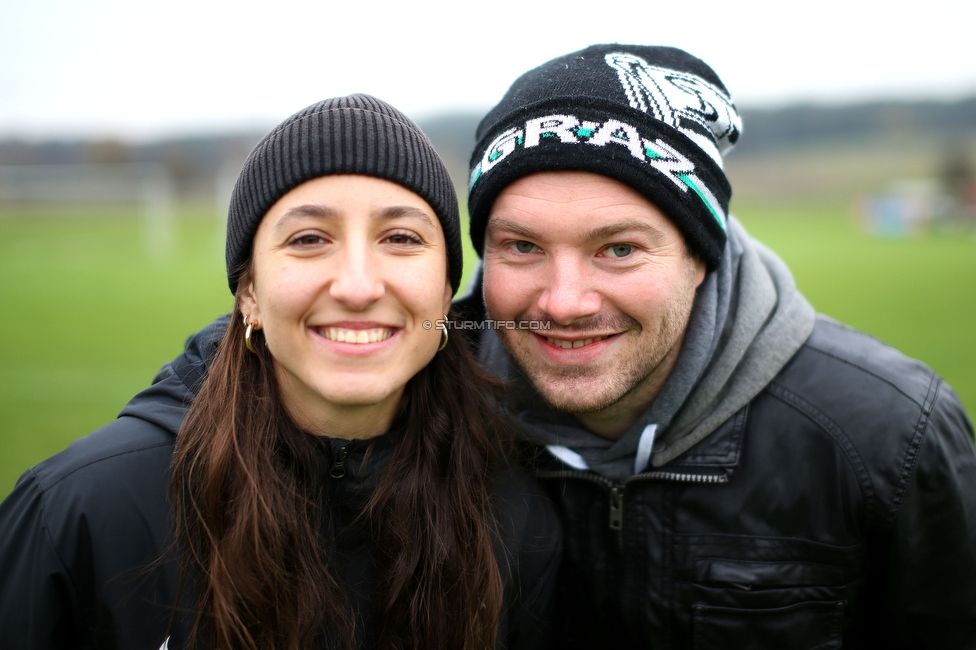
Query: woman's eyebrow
{"x":325,"y":212}
{"x":396,"y":211}
{"x":307,"y":210}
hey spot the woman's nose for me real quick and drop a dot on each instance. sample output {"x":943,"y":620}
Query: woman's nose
{"x":357,"y":284}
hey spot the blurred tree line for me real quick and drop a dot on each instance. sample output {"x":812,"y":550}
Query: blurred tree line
{"x":943,"y":133}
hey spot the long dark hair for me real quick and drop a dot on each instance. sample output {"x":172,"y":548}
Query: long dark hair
{"x":247,"y":516}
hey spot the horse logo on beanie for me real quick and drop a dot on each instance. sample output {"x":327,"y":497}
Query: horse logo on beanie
{"x":702,"y":111}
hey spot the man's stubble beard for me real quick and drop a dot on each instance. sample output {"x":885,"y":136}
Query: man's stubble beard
{"x":588,"y":389}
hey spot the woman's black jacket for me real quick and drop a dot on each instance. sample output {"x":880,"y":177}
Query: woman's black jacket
{"x":81,"y":534}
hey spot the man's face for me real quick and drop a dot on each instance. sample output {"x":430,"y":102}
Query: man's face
{"x":611,"y":273}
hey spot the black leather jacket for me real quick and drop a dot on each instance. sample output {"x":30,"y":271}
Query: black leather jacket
{"x":836,"y":510}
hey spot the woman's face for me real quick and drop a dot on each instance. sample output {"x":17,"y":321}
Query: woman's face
{"x":346,"y":269}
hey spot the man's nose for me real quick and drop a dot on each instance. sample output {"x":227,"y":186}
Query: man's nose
{"x":358,"y":282}
{"x":570,"y":294}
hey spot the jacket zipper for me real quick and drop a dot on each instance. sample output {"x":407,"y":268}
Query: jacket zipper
{"x":339,"y":464}
{"x":617,"y":508}
{"x":617,"y":489}
{"x":681,"y":478}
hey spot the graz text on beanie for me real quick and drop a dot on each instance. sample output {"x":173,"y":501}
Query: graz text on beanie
{"x":357,"y":134}
{"x":654,"y":118}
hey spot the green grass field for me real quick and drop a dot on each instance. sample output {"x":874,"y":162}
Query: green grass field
{"x":917,"y":294}
{"x":94,"y":302}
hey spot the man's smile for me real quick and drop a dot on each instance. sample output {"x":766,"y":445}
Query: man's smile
{"x":575,"y":343}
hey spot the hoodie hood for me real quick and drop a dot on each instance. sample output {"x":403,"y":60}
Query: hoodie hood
{"x":166,"y":401}
{"x":747,"y":322}
{"x":769,"y":321}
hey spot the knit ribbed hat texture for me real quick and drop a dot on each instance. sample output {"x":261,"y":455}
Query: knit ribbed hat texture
{"x":654,"y":118}
{"x":357,"y":134}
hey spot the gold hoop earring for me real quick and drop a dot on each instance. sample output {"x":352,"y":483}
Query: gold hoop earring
{"x":444,"y":331}
{"x":247,"y":334}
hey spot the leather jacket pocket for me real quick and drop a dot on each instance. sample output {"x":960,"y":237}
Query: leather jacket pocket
{"x":749,"y":592}
{"x":803,"y":626}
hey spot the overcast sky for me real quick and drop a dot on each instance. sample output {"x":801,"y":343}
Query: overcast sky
{"x":149,"y":69}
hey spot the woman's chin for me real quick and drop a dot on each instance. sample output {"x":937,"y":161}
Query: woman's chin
{"x":360,"y":399}
{"x":353,"y":393}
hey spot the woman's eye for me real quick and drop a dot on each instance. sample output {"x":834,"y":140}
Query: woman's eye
{"x":620,"y":250}
{"x":307,"y":239}
{"x":524,"y":246}
{"x":403,"y":238}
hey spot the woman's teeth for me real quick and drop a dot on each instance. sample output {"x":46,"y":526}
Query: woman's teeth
{"x":343,"y":335}
{"x":574,"y":344}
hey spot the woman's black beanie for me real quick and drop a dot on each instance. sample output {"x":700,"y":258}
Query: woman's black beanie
{"x":654,"y":118}
{"x":357,"y":134}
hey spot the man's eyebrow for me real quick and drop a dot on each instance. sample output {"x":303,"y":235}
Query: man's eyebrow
{"x":513,"y":227}
{"x":614,"y":229}
{"x":603,"y":232}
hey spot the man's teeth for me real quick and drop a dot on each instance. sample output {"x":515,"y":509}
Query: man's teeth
{"x":573,"y":344}
{"x":343,"y":335}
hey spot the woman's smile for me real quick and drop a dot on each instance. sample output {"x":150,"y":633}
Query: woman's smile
{"x":359,"y":337}
{"x":362,"y":333}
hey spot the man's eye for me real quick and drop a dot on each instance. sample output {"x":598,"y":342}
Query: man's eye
{"x":524,"y":246}
{"x":620,"y":250}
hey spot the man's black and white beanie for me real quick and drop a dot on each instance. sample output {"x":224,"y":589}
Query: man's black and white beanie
{"x":358,"y":134}
{"x":654,"y":118}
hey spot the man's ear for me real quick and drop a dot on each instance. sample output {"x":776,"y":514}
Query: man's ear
{"x":700,"y":270}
